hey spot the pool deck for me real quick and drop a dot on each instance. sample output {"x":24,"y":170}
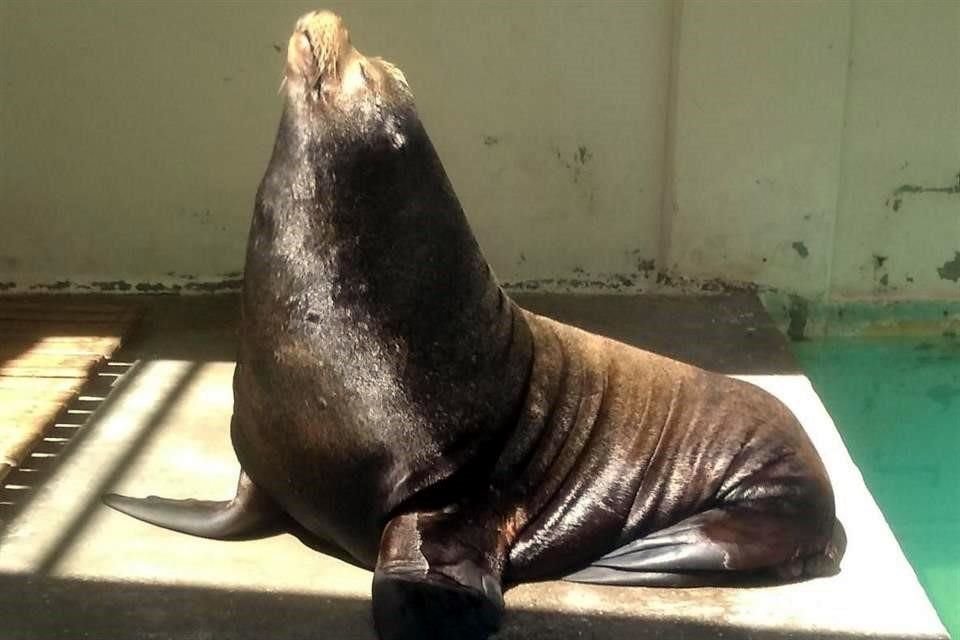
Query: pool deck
{"x":70,"y":568}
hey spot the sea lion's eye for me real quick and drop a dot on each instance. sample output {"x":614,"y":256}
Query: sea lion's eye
{"x":363,"y":73}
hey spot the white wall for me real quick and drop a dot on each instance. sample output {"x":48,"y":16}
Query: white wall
{"x":741,"y":141}
{"x":902,"y":130}
{"x":757,"y":135}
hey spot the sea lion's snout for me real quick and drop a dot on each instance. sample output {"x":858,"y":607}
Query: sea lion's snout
{"x":318,"y":47}
{"x":323,"y":67}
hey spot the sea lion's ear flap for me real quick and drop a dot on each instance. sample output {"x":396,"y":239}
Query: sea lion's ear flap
{"x":427,"y":585}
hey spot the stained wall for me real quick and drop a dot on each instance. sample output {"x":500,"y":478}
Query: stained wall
{"x":605,"y":146}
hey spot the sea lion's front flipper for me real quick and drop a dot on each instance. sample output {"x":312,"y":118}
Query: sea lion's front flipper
{"x":250,"y":514}
{"x":432,"y":583}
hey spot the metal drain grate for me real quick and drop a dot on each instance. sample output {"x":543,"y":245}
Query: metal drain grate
{"x":18,"y":482}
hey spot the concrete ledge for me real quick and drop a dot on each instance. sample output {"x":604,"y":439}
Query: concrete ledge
{"x":814,"y":318}
{"x":70,"y":568}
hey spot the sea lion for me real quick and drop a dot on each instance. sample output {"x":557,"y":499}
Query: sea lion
{"x":390,"y":398}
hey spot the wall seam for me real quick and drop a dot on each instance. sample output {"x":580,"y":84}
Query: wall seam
{"x":667,"y":190}
{"x":842,"y":164}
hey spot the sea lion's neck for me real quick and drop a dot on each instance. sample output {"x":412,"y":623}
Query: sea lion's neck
{"x":328,"y":167}
{"x":358,"y":239}
{"x":364,"y":238}
{"x":362,"y":203}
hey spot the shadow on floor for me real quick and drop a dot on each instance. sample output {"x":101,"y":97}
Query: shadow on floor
{"x":55,"y":608}
{"x":730,"y":333}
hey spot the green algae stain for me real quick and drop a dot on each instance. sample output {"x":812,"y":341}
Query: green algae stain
{"x":951,"y":268}
{"x":798,"y":312}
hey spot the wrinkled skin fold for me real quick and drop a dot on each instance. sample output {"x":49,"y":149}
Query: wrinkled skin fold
{"x":393,"y":402}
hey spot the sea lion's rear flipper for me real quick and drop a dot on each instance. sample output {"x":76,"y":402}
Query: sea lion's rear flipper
{"x":250,"y":514}
{"x":431,"y":584}
{"x":723,"y":545}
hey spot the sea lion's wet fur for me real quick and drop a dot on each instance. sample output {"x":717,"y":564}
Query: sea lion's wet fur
{"x":391,"y":399}
{"x":369,"y":302}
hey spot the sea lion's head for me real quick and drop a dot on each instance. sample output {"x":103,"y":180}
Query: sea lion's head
{"x":324,"y":68}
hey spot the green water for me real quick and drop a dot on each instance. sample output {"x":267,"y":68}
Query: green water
{"x":896,"y":401}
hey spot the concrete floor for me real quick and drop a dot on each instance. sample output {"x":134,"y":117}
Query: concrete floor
{"x":70,"y":568}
